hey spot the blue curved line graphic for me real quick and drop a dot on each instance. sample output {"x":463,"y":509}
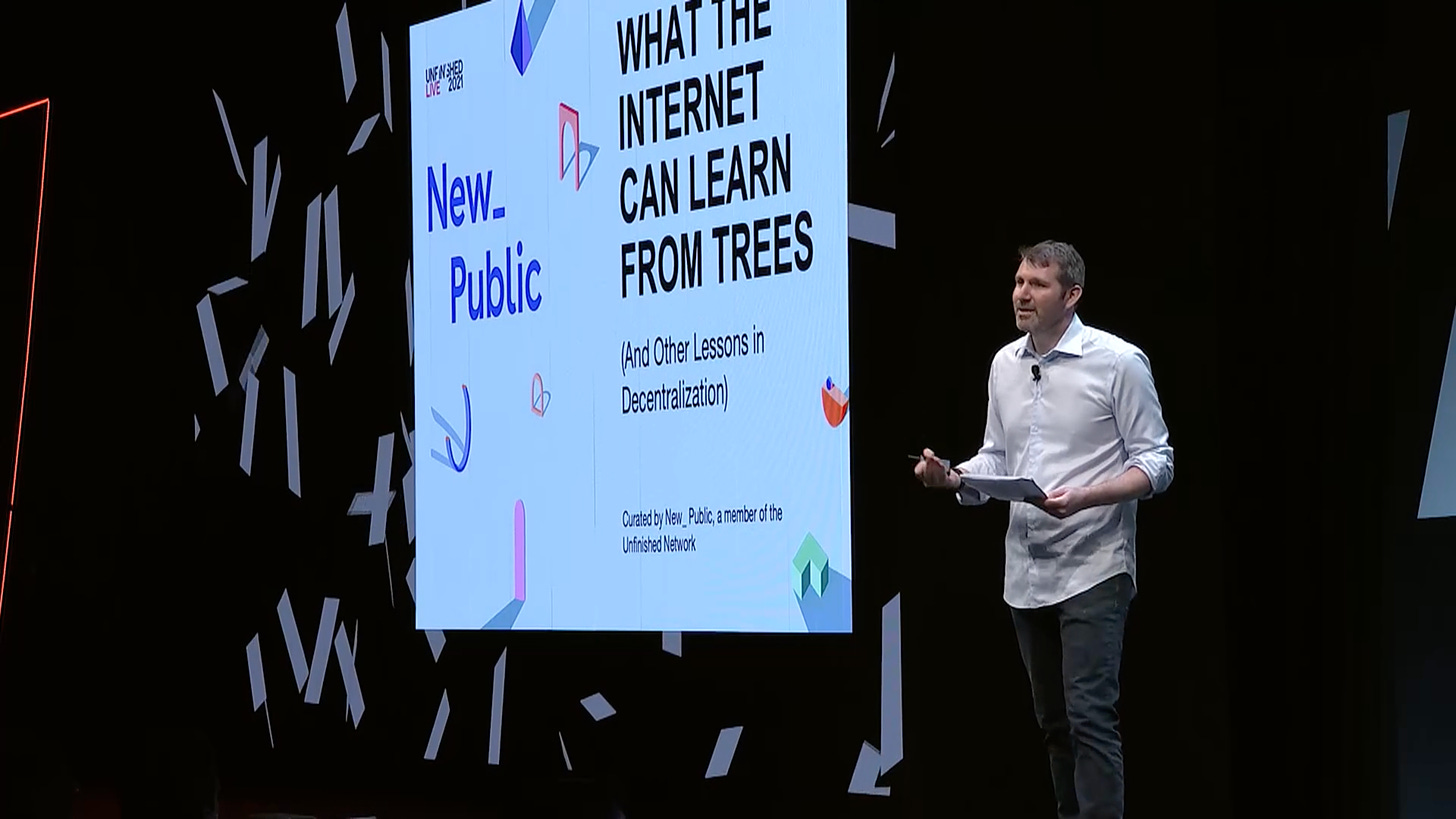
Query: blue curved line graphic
{"x":451,"y":435}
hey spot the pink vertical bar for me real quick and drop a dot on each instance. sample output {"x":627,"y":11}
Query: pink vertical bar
{"x":566,"y":115}
{"x":520,"y":551}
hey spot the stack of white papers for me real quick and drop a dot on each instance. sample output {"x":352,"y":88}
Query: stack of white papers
{"x":1003,"y":487}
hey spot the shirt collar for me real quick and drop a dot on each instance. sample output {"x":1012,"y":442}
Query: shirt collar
{"x":1070,"y":343}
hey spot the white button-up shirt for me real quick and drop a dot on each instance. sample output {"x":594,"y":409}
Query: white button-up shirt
{"x":1092,"y":415}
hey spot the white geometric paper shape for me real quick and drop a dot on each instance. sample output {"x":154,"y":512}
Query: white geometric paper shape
{"x":346,"y":51}
{"x":723,"y":752}
{"x":866,"y":771}
{"x":321,"y":221}
{"x":228,"y":130}
{"x":384,"y":61}
{"x":892,"y":740}
{"x":290,"y":430}
{"x":212,"y":345}
{"x":341,"y":320}
{"x":313,"y":220}
{"x":409,"y":310}
{"x":331,"y":250}
{"x":257,"y":684}
{"x":355,"y":694}
{"x":1395,"y":127}
{"x":497,"y":708}
{"x":376,"y":504}
{"x":250,"y":417}
{"x":872,"y":225}
{"x":407,"y":488}
{"x":255,"y":673}
{"x":263,"y":209}
{"x":598,"y":707}
{"x":227,"y":286}
{"x":442,"y":716}
{"x":302,"y":672}
{"x":318,"y":670}
{"x":363,"y":135}
{"x":409,"y":438}
{"x":292,"y":641}
{"x":1438,"y":488}
{"x":885,"y":95}
{"x":255,"y":357}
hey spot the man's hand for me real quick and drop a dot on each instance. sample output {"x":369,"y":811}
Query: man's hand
{"x":933,"y":473}
{"x":1133,"y":483}
{"x":1067,"y":501}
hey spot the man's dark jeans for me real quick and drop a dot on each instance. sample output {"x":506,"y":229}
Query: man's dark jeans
{"x":1073,"y":654}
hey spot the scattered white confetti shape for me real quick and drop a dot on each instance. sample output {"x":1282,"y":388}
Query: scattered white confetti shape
{"x":313,"y":674}
{"x":409,"y":310}
{"x":331,"y":251}
{"x":384,"y":61}
{"x":407,"y":483}
{"x":884,"y":98}
{"x":255,"y":357}
{"x":345,"y":654}
{"x":870,"y":225}
{"x":212,"y":345}
{"x":723,"y":752}
{"x":442,"y":716}
{"x":290,"y":424}
{"x":250,"y":417}
{"x":340,"y":321}
{"x":891,"y":735}
{"x":885,"y":95}
{"x":346,"y":51}
{"x":263,"y":209}
{"x":376,"y":504}
{"x":258,"y":685}
{"x":228,"y":130}
{"x":322,"y":218}
{"x":866,"y":771}
{"x":363,"y":136}
{"x":227,"y":286}
{"x":497,"y":708}
{"x":598,"y":707}
{"x":409,"y":580}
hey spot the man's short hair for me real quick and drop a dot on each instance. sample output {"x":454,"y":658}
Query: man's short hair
{"x":1071,"y":271}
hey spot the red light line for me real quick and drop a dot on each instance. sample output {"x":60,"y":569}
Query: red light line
{"x":27,"y":107}
{"x":29,"y":324}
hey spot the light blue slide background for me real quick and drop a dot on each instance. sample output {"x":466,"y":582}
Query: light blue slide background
{"x":578,"y":467}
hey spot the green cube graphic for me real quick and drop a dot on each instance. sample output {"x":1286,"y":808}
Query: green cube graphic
{"x":811,"y":567}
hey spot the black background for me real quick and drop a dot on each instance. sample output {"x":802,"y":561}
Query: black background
{"x":1222,"y":176}
{"x":1419,"y":559}
{"x":22,"y":138}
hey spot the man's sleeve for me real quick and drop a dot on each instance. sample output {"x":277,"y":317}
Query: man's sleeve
{"x":1139,"y":416}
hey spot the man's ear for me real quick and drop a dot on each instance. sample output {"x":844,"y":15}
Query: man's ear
{"x":1073,"y":295}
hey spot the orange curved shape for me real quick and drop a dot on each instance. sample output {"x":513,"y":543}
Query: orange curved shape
{"x":836,"y":405}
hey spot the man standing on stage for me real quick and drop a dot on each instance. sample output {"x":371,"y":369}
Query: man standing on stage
{"x":1075,"y":409}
